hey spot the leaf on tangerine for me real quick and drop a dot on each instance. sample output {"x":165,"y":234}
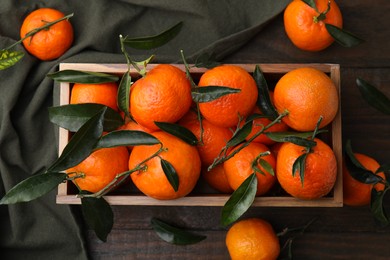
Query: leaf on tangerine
{"x":377,"y":208}
{"x":299,"y":166}
{"x":210,"y":93}
{"x":85,"y":77}
{"x":123,"y":98}
{"x":343,"y":37}
{"x":170,"y":173}
{"x":178,"y":131}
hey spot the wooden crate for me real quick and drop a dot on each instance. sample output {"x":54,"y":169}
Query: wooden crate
{"x":203,"y":196}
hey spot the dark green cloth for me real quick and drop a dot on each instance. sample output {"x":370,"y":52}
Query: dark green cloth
{"x":41,"y":229}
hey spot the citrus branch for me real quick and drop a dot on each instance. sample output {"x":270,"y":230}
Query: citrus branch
{"x":222,"y":157}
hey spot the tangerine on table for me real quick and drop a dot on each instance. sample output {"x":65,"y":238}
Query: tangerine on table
{"x":213,"y":140}
{"x":163,"y":95}
{"x":303,"y":27}
{"x":306,"y":94}
{"x":239,"y":167}
{"x":101,"y":167}
{"x":104,"y":93}
{"x":226,"y":110}
{"x":152,"y":181}
{"x":356,"y":193}
{"x":51,"y":43}
{"x":319,"y":175}
{"x":252,"y":239}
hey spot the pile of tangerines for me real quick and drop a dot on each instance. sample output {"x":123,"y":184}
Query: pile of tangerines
{"x":304,"y":100}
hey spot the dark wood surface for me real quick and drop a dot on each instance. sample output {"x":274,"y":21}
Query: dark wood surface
{"x":337,"y":233}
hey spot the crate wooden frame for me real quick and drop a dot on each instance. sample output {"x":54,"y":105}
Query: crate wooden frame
{"x":335,"y":200}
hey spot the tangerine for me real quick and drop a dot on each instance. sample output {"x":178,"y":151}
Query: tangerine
{"x":227,"y":110}
{"x":319,"y":174}
{"x":239,"y":167}
{"x":214,"y":138}
{"x":305,"y":26}
{"x":217,"y":179}
{"x":356,"y":193}
{"x":100,"y":168}
{"x":306,"y":94}
{"x":252,"y":239}
{"x":152,"y":181}
{"x":104,"y":93}
{"x":163,"y":95}
{"x":50,"y":43}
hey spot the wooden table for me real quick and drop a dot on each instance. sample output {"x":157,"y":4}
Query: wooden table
{"x":338,"y":233}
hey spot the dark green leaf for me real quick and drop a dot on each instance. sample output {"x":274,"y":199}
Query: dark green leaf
{"x":174,"y":235}
{"x":264,"y":100}
{"x":342,"y":37}
{"x":206,"y":60}
{"x":240,"y":201}
{"x":281,"y":136}
{"x":86,"y":77}
{"x":126,"y":138}
{"x":72,"y":117}
{"x":299,"y":165}
{"x":300,"y":141}
{"x":33,"y":187}
{"x":9,"y":58}
{"x":311,"y":3}
{"x":98,"y":215}
{"x":178,"y":131}
{"x":151,"y":42}
{"x":81,"y":144}
{"x":210,"y":93}
{"x":240,"y":135}
{"x":171,"y":174}
{"x":373,"y":96}
{"x":377,"y":208}
{"x":266,"y":166}
{"x":383,"y":168}
{"x":124,"y":93}
{"x":357,"y":170}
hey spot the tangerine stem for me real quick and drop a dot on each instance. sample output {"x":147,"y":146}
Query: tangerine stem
{"x":36,"y":30}
{"x":322,"y":16}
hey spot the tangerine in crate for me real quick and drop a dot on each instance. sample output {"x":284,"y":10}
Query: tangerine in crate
{"x":203,"y":194}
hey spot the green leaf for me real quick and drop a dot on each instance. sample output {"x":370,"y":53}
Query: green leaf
{"x":171,"y":174}
{"x":33,"y":187}
{"x":299,"y":165}
{"x":81,"y":144}
{"x":263,"y":163}
{"x":98,"y":215}
{"x":264,"y":99}
{"x":86,"y":77}
{"x":373,"y":96}
{"x":311,"y":3}
{"x":151,"y":42}
{"x":342,"y":37}
{"x":124,"y":93}
{"x":383,"y":168}
{"x":73,"y":116}
{"x":377,"y":208}
{"x":281,"y":136}
{"x":240,"y":201}
{"x":178,"y":131}
{"x":357,"y":170}
{"x":9,"y":58}
{"x":206,"y":60}
{"x":300,"y":141}
{"x":174,"y":235}
{"x":240,"y":135}
{"x":210,"y":93}
{"x":126,"y":138}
